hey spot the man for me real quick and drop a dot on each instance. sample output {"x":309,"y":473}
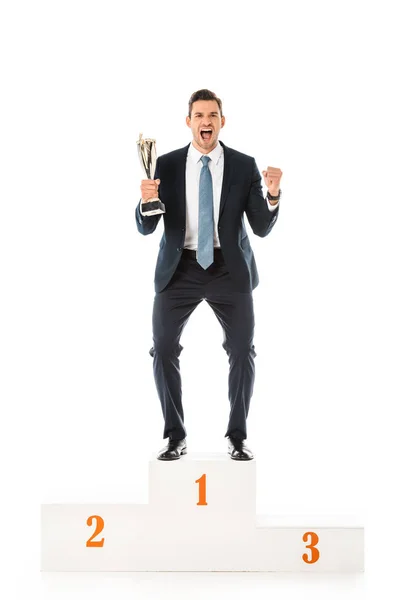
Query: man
{"x":205,"y":254}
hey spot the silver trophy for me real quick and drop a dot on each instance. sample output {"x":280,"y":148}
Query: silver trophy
{"x":148,"y":158}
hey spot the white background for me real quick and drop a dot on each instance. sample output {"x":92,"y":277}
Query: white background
{"x":309,"y":87}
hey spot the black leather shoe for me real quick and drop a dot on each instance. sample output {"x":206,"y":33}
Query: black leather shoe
{"x":173,"y":450}
{"x":238,"y":450}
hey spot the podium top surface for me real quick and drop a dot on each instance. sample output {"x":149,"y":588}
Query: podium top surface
{"x":313,"y":521}
{"x":203,"y":456}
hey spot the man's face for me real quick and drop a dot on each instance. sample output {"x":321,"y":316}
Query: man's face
{"x":205,"y":123}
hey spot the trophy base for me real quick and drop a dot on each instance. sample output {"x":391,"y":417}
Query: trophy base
{"x":154,"y":207}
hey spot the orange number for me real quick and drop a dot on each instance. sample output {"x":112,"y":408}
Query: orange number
{"x":99,"y":528}
{"x":202,"y":490}
{"x":314,"y":551}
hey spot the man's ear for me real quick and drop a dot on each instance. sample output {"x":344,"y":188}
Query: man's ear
{"x":188,"y":121}
{"x":222,"y":121}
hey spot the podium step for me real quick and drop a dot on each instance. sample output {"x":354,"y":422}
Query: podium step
{"x":214,"y":481}
{"x":200,"y":517}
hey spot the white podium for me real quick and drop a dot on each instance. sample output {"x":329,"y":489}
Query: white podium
{"x":201,"y":516}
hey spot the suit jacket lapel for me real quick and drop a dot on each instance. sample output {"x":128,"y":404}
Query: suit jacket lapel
{"x":226,"y":180}
{"x":181,"y":182}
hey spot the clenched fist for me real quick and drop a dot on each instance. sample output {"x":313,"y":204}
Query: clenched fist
{"x":272,"y":179}
{"x":149,"y":189}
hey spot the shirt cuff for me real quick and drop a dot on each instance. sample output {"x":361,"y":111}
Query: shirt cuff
{"x":272,"y":207}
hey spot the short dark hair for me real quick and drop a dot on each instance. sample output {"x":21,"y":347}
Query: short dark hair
{"x":204,"y":95}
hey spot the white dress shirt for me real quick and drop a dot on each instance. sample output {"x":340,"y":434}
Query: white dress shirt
{"x":193,"y":168}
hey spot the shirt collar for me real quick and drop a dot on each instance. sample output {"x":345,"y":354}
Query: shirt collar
{"x":195,"y":155}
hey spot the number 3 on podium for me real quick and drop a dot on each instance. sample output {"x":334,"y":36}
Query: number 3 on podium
{"x":312,"y":546}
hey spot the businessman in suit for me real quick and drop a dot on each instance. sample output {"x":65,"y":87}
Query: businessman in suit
{"x":205,"y":254}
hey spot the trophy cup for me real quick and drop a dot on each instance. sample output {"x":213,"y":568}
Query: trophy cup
{"x":147,"y":158}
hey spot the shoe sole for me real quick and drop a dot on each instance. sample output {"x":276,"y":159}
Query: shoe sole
{"x":236,"y":458}
{"x":175,"y":457}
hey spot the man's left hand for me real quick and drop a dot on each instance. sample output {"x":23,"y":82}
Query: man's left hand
{"x":272,"y":178}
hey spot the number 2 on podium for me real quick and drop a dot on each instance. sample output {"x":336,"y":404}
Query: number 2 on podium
{"x":202,"y":490}
{"x":99,"y":528}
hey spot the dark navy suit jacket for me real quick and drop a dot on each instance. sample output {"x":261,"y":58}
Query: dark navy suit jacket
{"x":241,"y":193}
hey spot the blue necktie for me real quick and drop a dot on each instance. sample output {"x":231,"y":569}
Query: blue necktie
{"x":205,"y":245}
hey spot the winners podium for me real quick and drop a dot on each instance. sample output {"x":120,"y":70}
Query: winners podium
{"x":201,"y":516}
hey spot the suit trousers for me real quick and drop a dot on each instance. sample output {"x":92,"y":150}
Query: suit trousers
{"x":190,"y":285}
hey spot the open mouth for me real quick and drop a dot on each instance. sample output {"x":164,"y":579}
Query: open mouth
{"x":206,"y":134}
